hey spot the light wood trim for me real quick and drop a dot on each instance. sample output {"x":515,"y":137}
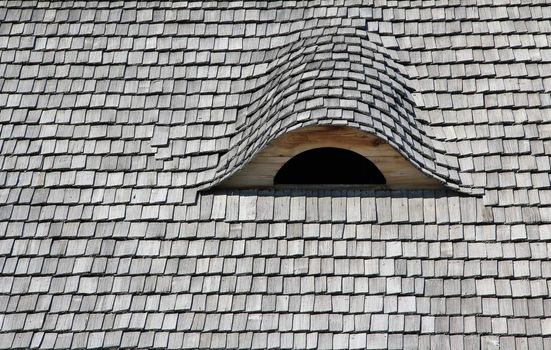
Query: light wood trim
{"x":398,"y":171}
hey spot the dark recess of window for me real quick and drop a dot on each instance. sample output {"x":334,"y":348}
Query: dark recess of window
{"x":329,"y":166}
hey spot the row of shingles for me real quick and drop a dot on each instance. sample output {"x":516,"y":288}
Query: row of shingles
{"x":478,"y":50}
{"x":145,"y":250}
{"x":512,"y":131}
{"x":515,"y":324}
{"x":470,"y":302}
{"x":25,"y":325}
{"x":139,"y":67}
{"x":60,"y":310}
{"x":495,"y":180}
{"x":338,"y":324}
{"x":342,"y":205}
{"x":395,"y":241}
{"x":54,"y":87}
{"x":88,"y":284}
{"x":320,"y":340}
{"x":149,"y":196}
{"x":317,"y":340}
{"x":510,"y":322}
{"x":95,"y":149}
{"x":386,"y":207}
{"x":302,"y":340}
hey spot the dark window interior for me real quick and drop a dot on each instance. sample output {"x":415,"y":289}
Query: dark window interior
{"x":329,"y":166}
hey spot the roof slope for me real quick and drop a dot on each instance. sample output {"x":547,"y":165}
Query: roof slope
{"x":113,"y":115}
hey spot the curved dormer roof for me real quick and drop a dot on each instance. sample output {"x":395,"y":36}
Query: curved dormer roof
{"x":335,"y":76}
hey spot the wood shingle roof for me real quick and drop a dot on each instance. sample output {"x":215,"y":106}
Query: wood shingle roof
{"x":118,"y":119}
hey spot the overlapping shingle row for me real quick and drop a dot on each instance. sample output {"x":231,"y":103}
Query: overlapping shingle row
{"x":248,"y":269}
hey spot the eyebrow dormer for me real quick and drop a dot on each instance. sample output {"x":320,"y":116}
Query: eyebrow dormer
{"x":330,"y":155}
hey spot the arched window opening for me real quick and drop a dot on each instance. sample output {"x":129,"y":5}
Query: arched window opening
{"x":329,"y":155}
{"x":329,"y":166}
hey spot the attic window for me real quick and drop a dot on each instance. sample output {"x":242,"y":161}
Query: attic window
{"x":329,"y":155}
{"x":329,"y":166}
